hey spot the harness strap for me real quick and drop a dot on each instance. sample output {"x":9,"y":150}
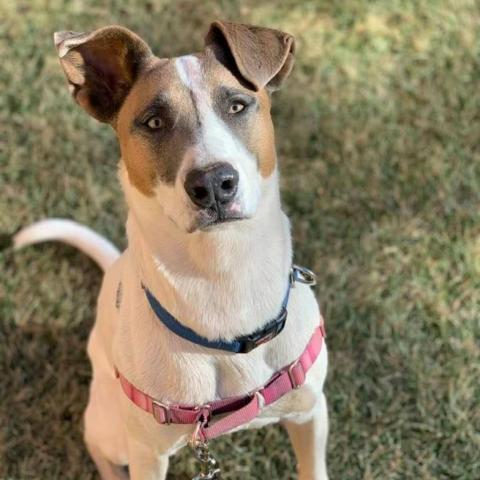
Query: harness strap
{"x":237,"y":410}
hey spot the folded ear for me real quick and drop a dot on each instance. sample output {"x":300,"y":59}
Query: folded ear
{"x":101,"y":67}
{"x":263,"y":56}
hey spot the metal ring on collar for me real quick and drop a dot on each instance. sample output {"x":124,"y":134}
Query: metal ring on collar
{"x":303,"y":275}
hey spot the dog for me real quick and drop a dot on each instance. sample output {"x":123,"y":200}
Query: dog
{"x":209,"y":257}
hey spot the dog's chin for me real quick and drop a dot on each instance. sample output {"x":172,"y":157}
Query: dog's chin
{"x":210,"y":220}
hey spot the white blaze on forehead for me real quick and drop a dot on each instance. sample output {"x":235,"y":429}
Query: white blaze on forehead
{"x":189,"y":71}
{"x":216,"y":142}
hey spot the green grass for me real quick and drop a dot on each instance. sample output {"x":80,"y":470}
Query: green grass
{"x":379,"y":139}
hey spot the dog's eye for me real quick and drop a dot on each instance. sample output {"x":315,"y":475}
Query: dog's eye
{"x":236,"y":107}
{"x":154,"y":123}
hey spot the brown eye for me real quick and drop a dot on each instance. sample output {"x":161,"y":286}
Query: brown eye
{"x":154,"y":123}
{"x":236,"y":107}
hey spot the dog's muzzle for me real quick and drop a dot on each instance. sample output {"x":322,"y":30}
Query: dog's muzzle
{"x":212,"y":190}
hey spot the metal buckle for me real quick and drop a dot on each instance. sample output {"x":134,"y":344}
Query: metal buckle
{"x":209,"y":465}
{"x":248,"y":345}
{"x":206,"y":412}
{"x":203,"y":419}
{"x":166,"y":411}
{"x":303,"y":275}
{"x":295,"y":385}
{"x":253,"y":341}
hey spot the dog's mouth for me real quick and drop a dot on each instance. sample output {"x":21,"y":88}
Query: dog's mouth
{"x":211,"y":217}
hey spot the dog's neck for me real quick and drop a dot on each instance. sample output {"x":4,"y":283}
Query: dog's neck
{"x":221,"y":283}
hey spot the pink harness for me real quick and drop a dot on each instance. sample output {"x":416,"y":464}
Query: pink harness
{"x":237,"y":411}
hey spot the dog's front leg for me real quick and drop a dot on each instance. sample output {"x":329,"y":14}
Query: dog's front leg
{"x":144,"y":463}
{"x":309,"y":441}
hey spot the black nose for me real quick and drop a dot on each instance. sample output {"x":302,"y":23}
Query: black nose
{"x":212,"y":187}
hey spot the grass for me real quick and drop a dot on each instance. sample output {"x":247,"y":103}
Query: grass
{"x":379,"y":139}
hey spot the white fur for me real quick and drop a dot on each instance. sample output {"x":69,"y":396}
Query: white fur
{"x":94,"y":245}
{"x":216,"y":142}
{"x":226,"y":282}
{"x":208,"y":289}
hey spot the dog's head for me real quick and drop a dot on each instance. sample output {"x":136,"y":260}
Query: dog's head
{"x":195,"y":132}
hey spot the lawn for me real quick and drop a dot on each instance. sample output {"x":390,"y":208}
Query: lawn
{"x":378,"y":133}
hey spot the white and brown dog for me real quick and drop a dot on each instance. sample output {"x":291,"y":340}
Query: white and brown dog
{"x":208,"y":260}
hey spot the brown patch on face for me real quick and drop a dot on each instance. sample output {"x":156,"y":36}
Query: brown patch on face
{"x":153,"y":155}
{"x":255,"y":127}
{"x":265,"y":137}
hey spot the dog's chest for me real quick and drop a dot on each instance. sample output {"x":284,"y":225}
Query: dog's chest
{"x":170,"y":369}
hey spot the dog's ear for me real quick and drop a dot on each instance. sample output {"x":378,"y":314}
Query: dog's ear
{"x":101,"y":67}
{"x":262,"y":56}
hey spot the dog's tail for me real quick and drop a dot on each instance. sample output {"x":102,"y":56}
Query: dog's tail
{"x":103,"y":252}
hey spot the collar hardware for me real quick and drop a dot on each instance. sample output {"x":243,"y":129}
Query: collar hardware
{"x":159,"y":407}
{"x":269,"y":332}
{"x":302,"y":275}
{"x":291,"y":375}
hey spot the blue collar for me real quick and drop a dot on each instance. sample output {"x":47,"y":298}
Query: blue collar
{"x":242,"y":344}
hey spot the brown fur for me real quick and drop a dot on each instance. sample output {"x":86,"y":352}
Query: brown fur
{"x":148,"y":161}
{"x":101,"y":67}
{"x":263,"y":56}
{"x":257,"y":134}
{"x":133,"y":78}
